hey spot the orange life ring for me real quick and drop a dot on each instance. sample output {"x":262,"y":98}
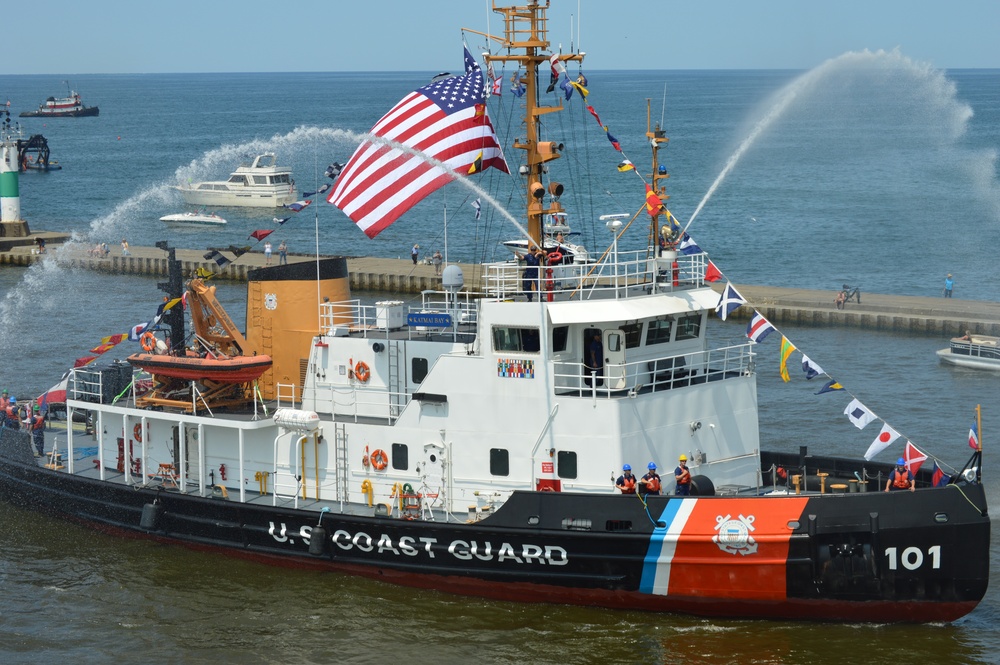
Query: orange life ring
{"x":148,"y":342}
{"x":380,"y":460}
{"x":137,"y":432}
{"x":554,"y":258}
{"x":362,"y":371}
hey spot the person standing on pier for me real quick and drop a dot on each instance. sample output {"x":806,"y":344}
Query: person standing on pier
{"x":125,"y":251}
{"x":949,"y":284}
{"x":436,"y":260}
{"x":415,"y":253}
{"x":267,"y":253}
{"x":283,"y":254}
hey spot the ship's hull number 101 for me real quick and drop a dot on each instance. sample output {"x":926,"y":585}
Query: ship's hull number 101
{"x":913,"y":558}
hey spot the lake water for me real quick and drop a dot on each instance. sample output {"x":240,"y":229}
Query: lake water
{"x":878,"y":172}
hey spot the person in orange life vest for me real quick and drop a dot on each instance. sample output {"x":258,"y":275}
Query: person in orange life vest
{"x":38,"y":430}
{"x":13,"y":421}
{"x":901,"y":478}
{"x":651,"y":481}
{"x":626,"y":481}
{"x":4,"y":399}
{"x":683,"y":477}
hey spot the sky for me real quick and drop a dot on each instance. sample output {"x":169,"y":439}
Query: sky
{"x":116,"y":36}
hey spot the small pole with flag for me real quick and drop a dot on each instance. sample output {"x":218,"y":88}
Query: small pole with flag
{"x":976,"y":434}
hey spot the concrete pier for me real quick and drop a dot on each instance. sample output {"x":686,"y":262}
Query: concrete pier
{"x":935,"y":316}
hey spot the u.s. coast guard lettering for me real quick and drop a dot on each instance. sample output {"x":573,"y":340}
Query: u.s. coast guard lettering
{"x":464,"y":550}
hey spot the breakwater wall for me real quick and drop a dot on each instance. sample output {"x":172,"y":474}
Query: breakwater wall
{"x":935,"y":316}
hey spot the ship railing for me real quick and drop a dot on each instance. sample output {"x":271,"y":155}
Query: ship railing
{"x":438,"y":311}
{"x":285,"y":395}
{"x":631,"y":273}
{"x":357,"y":403}
{"x":654,"y":375}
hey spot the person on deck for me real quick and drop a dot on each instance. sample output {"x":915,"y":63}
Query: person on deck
{"x":12,"y":420}
{"x":38,"y":430}
{"x":900,"y":478}
{"x":626,"y":481}
{"x":651,"y":481}
{"x":683,"y":477}
{"x":529,"y":279}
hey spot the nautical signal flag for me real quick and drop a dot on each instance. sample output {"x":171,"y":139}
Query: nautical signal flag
{"x":687,"y":244}
{"x":759,"y":328}
{"x":786,"y":350}
{"x":444,"y":120}
{"x":626,"y":165}
{"x":974,"y":436}
{"x":298,"y":205}
{"x":939,"y":477}
{"x":712,"y":274}
{"x":653,"y":202}
{"x":886,"y":436}
{"x":477,"y":164}
{"x":614,"y":141}
{"x":220,"y":259}
{"x":596,"y":117}
{"x":914,"y":458}
{"x":333,"y":170}
{"x":238,"y":251}
{"x":810,"y":367}
{"x":321,"y":190}
{"x":730,"y":300}
{"x":478,"y":205}
{"x":830,"y":387}
{"x":859,"y":414}
{"x":260,"y":234}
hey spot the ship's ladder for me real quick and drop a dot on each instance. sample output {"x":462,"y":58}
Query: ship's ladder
{"x":396,"y":378}
{"x":340,"y":455}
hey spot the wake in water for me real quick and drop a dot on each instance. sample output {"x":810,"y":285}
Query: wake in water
{"x":46,"y":276}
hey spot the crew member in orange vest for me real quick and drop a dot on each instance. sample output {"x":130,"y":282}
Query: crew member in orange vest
{"x":900,"y":478}
{"x":13,"y":421}
{"x":651,"y":481}
{"x":626,"y":481}
{"x":683,"y":477}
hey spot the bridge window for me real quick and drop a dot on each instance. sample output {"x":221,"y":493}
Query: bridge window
{"x":689,"y":327}
{"x":633,"y":335}
{"x":560,"y":336}
{"x":524,"y":340}
{"x":658,"y":332}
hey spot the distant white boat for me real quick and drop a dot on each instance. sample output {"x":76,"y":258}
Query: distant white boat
{"x":193,"y":218}
{"x":260,"y":184}
{"x":975,"y":351}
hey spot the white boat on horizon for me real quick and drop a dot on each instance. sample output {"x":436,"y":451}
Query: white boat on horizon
{"x":259,"y":184}
{"x":200,"y":218}
{"x":973,"y":351}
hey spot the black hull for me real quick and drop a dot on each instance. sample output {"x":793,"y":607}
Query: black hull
{"x":856,"y":557}
{"x":86,"y":112}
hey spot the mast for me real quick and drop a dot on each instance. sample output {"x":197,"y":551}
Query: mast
{"x":525,"y":42}
{"x":657,"y":137}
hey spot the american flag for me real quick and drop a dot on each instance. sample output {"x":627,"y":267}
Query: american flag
{"x":445,"y":119}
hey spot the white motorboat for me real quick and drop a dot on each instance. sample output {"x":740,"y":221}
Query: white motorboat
{"x":260,"y":184}
{"x":200,"y":218}
{"x":975,"y":351}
